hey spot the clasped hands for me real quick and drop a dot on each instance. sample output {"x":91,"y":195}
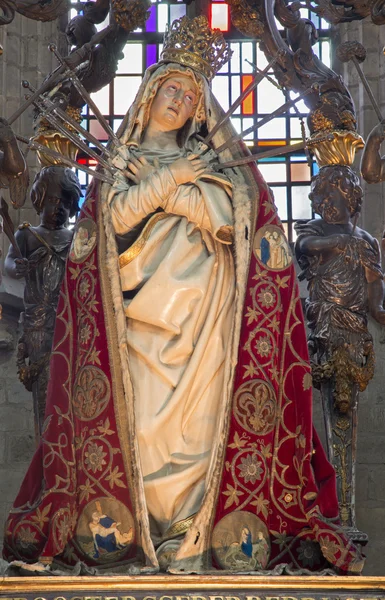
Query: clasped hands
{"x":184,"y":170}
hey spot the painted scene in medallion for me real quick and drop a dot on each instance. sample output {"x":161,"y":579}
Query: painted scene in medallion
{"x":271,"y":248}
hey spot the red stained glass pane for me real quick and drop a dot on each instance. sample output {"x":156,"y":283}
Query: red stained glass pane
{"x":220,"y":16}
{"x":248,"y":103}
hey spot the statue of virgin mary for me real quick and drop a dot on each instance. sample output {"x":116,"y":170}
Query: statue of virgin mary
{"x":178,"y":429}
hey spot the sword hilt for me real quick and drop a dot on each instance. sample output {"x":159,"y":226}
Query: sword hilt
{"x":53,"y":48}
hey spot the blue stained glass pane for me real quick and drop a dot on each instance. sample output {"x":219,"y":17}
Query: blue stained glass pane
{"x":81,"y":199}
{"x":151,"y":21}
{"x":151,"y":56}
{"x":177,"y":11}
{"x":315,"y":168}
{"x":273,"y":159}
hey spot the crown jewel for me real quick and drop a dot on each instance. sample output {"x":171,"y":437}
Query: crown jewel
{"x":191,"y":43}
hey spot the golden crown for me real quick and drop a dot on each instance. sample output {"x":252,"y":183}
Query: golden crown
{"x":191,"y":43}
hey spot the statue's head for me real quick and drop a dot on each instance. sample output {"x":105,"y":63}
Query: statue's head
{"x":175,"y":103}
{"x":55,"y":193}
{"x":79,"y":31}
{"x":336,"y":193}
{"x":192,"y":54}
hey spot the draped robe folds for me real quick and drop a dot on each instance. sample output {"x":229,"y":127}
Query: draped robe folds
{"x":177,"y":345}
{"x":267,"y":478}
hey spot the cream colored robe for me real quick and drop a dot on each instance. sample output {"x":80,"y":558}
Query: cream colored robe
{"x":178,"y":327}
{"x":194,"y":554}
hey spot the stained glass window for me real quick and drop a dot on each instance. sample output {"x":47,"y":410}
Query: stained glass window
{"x":288,"y":175}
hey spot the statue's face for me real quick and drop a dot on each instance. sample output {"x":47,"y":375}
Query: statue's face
{"x":174,"y":103}
{"x":56,"y":208}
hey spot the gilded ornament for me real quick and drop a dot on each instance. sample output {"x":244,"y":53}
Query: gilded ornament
{"x":246,"y":19}
{"x":53,"y":140}
{"x":335,"y":147}
{"x":131,"y":14}
{"x":191,"y":43}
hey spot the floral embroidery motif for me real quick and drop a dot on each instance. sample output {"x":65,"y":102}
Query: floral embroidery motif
{"x":95,"y":457}
{"x":255,"y":407}
{"x":26,"y":537}
{"x":263,"y":346}
{"x":250,"y":469}
{"x":91,"y":393}
{"x":267,"y":299}
{"x":309,"y":553}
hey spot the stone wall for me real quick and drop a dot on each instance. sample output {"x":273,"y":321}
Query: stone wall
{"x":371,"y":418}
{"x":25,"y":56}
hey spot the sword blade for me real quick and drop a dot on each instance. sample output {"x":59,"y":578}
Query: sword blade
{"x":255,"y":157}
{"x":239,"y":100}
{"x":68,"y":161}
{"x":276,"y":113}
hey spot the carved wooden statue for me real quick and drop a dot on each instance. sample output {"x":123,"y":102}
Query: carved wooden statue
{"x":341,"y":263}
{"x":55,"y":194}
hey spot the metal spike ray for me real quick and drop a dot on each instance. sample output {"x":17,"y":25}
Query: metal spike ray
{"x":238,"y":102}
{"x":50,"y":107}
{"x":276,"y":113}
{"x":86,"y":96}
{"x":71,"y":163}
{"x":73,"y":138}
{"x":255,"y":157}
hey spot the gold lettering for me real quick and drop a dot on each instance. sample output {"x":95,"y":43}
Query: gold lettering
{"x":216,"y":597}
{"x":253,"y":598}
{"x":166,"y":598}
{"x":148,"y":598}
{"x":58,"y":598}
{"x":198,"y":598}
{"x":177,"y":598}
{"x":230,"y":597}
